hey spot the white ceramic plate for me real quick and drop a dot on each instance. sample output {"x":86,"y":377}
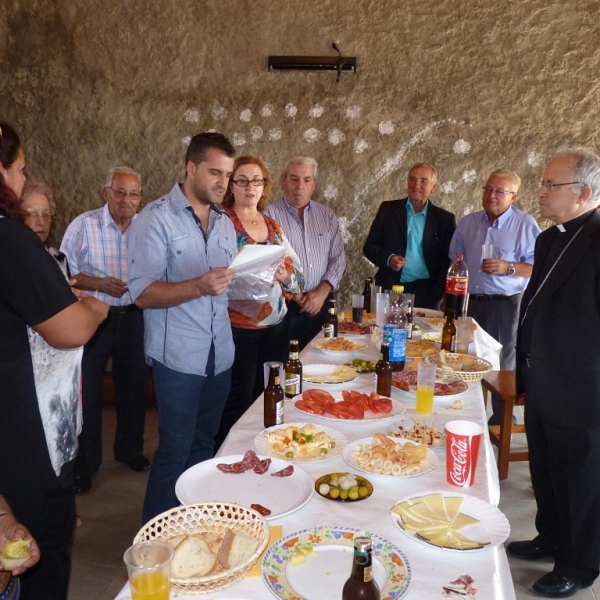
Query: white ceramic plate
{"x":323,"y":574}
{"x":348,"y":454}
{"x":317,"y":374}
{"x":420,"y":426}
{"x":281,"y":495}
{"x":493,"y":525}
{"x":397,"y":409}
{"x":360,"y":346}
{"x":262,"y":443}
{"x":439,"y":378}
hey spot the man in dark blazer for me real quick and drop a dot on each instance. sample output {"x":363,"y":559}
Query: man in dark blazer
{"x":558,"y":368}
{"x":409,"y":240}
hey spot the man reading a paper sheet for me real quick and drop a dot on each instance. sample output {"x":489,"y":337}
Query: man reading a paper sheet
{"x":180,"y":247}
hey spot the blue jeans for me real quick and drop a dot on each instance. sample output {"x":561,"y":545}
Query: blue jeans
{"x":189,"y":413}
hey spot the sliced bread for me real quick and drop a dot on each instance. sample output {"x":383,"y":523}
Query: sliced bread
{"x":236,"y":549}
{"x":192,"y":558}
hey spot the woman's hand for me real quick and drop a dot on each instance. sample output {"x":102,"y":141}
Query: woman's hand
{"x":283,"y":275}
{"x":11,"y":529}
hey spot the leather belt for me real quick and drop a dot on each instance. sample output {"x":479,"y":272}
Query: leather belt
{"x":488,"y":297}
{"x":121,"y":310}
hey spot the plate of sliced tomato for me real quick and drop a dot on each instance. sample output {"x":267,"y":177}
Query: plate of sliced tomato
{"x":350,"y":405}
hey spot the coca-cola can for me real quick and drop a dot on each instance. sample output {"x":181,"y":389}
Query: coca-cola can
{"x":463,"y":439}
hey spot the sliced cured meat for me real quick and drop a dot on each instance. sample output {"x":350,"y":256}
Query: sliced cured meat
{"x":262,"y":466}
{"x":250,"y":459}
{"x":289,"y":470}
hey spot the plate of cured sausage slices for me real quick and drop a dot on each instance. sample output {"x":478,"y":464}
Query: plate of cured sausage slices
{"x":347,"y":405}
{"x":271,"y":486}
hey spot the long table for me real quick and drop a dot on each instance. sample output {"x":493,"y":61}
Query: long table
{"x":432,"y":568}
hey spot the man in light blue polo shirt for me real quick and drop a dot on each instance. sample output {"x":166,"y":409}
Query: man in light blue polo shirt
{"x":179,"y":251}
{"x":497,"y":284}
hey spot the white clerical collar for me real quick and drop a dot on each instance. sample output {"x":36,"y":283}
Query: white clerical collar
{"x":561,"y":227}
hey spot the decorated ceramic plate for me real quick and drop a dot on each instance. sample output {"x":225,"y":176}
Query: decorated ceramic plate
{"x":301,"y":442}
{"x":321,"y":576}
{"x":451,"y":521}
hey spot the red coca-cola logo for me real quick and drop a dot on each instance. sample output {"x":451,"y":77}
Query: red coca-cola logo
{"x":459,"y":470}
{"x":457,"y":286}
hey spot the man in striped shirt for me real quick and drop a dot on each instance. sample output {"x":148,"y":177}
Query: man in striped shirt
{"x":313,"y":230}
{"x":497,"y":284}
{"x":95,"y":244}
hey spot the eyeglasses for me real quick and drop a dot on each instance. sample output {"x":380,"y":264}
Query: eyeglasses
{"x":33,"y":215}
{"x":246,"y":182}
{"x":122,"y":194}
{"x":550,"y":186}
{"x":499,"y":192}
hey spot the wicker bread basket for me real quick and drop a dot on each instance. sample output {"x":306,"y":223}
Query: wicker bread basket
{"x":479,"y":366}
{"x":208,"y":516}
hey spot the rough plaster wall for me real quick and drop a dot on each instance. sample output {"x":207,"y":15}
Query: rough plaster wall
{"x":469,"y":85}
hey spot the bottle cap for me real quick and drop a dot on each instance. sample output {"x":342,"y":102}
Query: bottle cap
{"x":397,"y":288}
{"x":362,"y":543}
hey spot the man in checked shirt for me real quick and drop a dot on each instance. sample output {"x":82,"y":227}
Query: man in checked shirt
{"x":95,"y":244}
{"x":313,"y":230}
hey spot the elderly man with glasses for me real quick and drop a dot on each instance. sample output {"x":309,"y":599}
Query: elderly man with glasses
{"x":95,"y":244}
{"x":496,"y":283}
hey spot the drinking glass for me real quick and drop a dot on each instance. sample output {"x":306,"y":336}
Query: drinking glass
{"x":425,"y":385}
{"x":358,"y":302}
{"x":149,"y":570}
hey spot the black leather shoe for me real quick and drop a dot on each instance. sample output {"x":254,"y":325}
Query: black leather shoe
{"x":530,"y":550}
{"x":553,"y":585}
{"x":82,"y":483}
{"x":139,"y":464}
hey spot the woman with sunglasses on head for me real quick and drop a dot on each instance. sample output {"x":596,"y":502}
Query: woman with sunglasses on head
{"x":262,"y":338}
{"x":43,"y":325}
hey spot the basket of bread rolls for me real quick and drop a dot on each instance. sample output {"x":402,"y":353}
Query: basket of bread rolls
{"x":215,"y":543}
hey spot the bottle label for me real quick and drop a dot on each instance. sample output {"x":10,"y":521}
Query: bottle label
{"x":396,"y":338}
{"x":457,"y":286}
{"x":328,"y":330}
{"x":292,"y":383}
{"x":409,"y":330}
{"x":279,"y":413}
{"x":368,"y":574}
{"x":375,"y":383}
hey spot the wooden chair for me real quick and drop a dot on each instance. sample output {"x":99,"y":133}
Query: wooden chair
{"x":502,"y":386}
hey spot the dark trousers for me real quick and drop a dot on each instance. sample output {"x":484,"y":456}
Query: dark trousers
{"x":564,"y":463}
{"x":499,"y":317}
{"x":121,"y":336}
{"x":301,"y":326}
{"x":253,"y":347}
{"x":48,"y":511}
{"x":425,"y":295}
{"x":189,"y":412}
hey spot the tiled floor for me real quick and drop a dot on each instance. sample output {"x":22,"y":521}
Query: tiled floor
{"x":111,"y":515}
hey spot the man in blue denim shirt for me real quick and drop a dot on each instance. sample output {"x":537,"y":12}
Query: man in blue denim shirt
{"x":179,"y":251}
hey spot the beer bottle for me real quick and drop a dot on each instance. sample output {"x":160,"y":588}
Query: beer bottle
{"x":330,"y":327}
{"x":449,"y":332}
{"x":361,"y":585}
{"x":383,"y":372}
{"x":273,"y":398}
{"x":367,"y":295}
{"x":293,"y":371}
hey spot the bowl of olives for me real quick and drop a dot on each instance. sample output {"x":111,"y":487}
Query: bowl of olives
{"x":362,"y":366}
{"x":343,"y":487}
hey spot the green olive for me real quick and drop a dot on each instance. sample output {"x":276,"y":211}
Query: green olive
{"x":353,"y":493}
{"x":334,"y":492}
{"x":344,"y":494}
{"x":363,"y":491}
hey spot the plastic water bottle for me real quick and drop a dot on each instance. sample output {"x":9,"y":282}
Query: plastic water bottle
{"x":457,"y":287}
{"x":394,"y":330}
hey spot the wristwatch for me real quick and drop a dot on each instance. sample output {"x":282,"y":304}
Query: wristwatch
{"x":511,"y":268}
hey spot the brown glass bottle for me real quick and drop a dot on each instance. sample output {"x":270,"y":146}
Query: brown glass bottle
{"x":383,"y":372}
{"x":367,"y":295}
{"x":361,"y":585}
{"x":449,"y":332}
{"x":331,"y":321}
{"x":293,"y":371}
{"x":273,"y":398}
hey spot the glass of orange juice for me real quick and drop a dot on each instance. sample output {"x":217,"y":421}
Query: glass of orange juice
{"x":149,"y":570}
{"x":425,"y":385}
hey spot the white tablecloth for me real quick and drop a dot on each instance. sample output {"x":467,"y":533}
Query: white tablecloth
{"x":432,"y":568}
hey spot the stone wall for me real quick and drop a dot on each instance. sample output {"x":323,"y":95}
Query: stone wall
{"x":469,"y":85}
